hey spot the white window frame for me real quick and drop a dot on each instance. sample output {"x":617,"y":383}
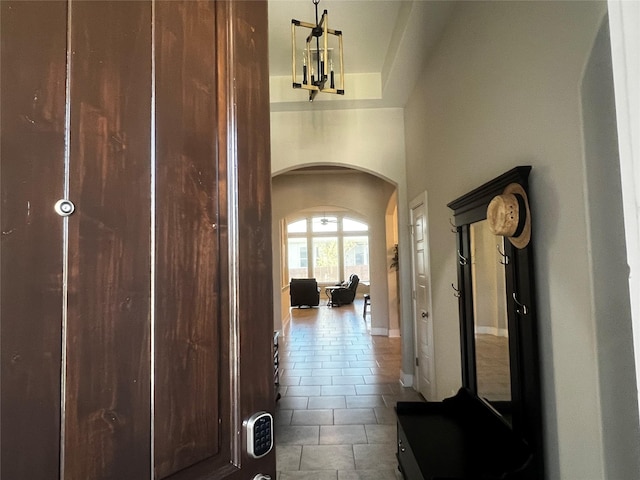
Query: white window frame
{"x":339,"y":233}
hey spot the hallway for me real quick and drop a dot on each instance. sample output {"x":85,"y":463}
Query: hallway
{"x":335,"y":420}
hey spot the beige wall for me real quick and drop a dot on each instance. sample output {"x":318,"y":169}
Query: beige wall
{"x":362,"y":193}
{"x":503,"y":89}
{"x":393,"y":311}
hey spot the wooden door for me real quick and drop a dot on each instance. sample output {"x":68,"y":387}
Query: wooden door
{"x":136,"y":332}
{"x":32,"y":119}
{"x":212,"y":142}
{"x":108,"y":360}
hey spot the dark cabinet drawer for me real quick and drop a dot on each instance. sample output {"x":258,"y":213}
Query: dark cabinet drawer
{"x":406,"y":460}
{"x":458,"y":439}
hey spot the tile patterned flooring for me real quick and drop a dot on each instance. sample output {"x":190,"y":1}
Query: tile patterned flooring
{"x":335,"y":420}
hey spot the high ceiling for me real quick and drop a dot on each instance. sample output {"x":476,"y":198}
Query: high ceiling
{"x":386,"y":43}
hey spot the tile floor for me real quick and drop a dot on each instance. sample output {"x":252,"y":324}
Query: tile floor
{"x":335,"y":420}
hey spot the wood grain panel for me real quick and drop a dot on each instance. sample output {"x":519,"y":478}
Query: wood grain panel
{"x":188,"y":342}
{"x":108,"y":351}
{"x":32,"y":166}
{"x":254,"y":213}
{"x":245,"y":147}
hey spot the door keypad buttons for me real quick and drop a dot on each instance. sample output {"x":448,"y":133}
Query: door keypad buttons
{"x":259,"y":434}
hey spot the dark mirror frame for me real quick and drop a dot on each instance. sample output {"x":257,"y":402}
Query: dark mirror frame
{"x":524,"y":411}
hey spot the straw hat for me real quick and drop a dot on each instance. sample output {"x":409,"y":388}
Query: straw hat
{"x":509,"y":216}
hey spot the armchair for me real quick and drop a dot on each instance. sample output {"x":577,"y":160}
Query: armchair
{"x":344,"y":295}
{"x":304,"y":291}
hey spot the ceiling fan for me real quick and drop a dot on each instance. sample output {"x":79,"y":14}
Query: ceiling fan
{"x":326,"y":220}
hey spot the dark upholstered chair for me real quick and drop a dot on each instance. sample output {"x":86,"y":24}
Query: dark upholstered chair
{"x":344,"y":295}
{"x":304,"y":291}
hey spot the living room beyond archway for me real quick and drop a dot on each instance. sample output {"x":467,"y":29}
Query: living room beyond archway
{"x":342,"y":210}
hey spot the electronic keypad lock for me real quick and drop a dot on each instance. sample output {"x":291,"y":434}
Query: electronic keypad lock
{"x":259,"y":434}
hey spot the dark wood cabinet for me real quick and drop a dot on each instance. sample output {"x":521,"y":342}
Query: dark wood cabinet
{"x":137,"y":332}
{"x":459,"y":438}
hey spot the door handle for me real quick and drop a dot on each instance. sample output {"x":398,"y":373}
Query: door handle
{"x":425,"y":314}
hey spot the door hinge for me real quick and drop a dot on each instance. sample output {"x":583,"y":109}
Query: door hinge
{"x":417,"y":362}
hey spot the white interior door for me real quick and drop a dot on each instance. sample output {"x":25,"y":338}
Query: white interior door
{"x":425,"y":370}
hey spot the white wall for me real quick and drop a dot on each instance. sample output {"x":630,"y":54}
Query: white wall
{"x":624,"y":18}
{"x":610,"y":285}
{"x":503,"y":89}
{"x":371,"y":140}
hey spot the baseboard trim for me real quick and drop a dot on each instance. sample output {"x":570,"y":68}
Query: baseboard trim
{"x":394,"y":333}
{"x":406,"y":379}
{"x":496,"y":332}
{"x":382,"y":332}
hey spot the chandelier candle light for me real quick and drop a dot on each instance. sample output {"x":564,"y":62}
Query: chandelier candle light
{"x":314,"y":60}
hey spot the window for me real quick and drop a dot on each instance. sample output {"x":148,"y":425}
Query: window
{"x":349,"y":225}
{"x":356,"y":257}
{"x":298,"y":259}
{"x":324,"y":224}
{"x":328,"y":248}
{"x":297,"y":227}
{"x":325,"y":259}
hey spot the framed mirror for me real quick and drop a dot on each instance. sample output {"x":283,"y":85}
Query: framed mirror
{"x":497,"y":313}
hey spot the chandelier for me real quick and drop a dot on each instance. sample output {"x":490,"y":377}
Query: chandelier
{"x":316,"y":77}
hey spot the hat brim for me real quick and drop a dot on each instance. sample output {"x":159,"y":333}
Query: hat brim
{"x":522,"y":240}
